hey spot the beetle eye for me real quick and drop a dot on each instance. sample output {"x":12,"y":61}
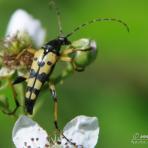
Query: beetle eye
{"x":61,"y":39}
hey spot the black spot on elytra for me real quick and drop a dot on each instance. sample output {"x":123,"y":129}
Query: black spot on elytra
{"x":34,"y":90}
{"x":42,"y":77}
{"x":41,"y":63}
{"x":33,"y":73}
{"x":49,"y":63}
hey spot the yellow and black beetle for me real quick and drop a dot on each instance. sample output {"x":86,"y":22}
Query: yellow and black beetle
{"x":44,"y":62}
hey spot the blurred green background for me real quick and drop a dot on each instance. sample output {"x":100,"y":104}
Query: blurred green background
{"x":114,"y":88}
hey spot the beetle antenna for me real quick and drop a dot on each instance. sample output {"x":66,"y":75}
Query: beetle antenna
{"x":98,"y":20}
{"x":58,"y":14}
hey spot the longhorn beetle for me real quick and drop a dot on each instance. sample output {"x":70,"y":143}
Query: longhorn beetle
{"x":44,"y":62}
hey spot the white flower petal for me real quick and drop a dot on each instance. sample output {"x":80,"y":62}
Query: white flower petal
{"x":5,"y":72}
{"x":83,"y":131}
{"x":22,"y":22}
{"x":27,"y":133}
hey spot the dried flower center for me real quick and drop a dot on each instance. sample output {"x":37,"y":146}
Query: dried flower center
{"x":13,"y":61}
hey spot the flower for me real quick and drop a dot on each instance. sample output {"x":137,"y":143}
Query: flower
{"x":83,"y":59}
{"x":82,"y":130}
{"x":27,"y":133}
{"x":5,"y":72}
{"x":22,"y":32}
{"x":23,"y":23}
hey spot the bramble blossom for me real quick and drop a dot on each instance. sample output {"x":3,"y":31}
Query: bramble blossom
{"x":82,"y":130}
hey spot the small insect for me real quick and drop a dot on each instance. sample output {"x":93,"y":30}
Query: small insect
{"x":45,"y":60}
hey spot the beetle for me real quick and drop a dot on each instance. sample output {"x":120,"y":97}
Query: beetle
{"x":44,"y":62}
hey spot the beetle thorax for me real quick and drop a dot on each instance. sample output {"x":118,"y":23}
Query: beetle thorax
{"x":55,"y":45}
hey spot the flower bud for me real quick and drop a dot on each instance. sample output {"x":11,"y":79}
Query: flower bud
{"x":86,"y":54}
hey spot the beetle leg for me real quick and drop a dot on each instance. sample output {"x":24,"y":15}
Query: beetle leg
{"x":70,"y":60}
{"x":66,"y":59}
{"x":30,"y":50}
{"x":55,"y":99}
{"x":15,"y":99}
{"x":72,"y":50}
{"x":19,"y":79}
{"x":54,"y":95}
{"x":67,"y":51}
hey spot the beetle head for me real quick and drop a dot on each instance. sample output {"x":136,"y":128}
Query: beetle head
{"x":64,"y":41}
{"x":55,"y":45}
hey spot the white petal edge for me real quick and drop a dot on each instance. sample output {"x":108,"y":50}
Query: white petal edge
{"x":27,"y":133}
{"x":93,"y":45}
{"x":22,"y":22}
{"x":5,"y":72}
{"x":83,"y":131}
